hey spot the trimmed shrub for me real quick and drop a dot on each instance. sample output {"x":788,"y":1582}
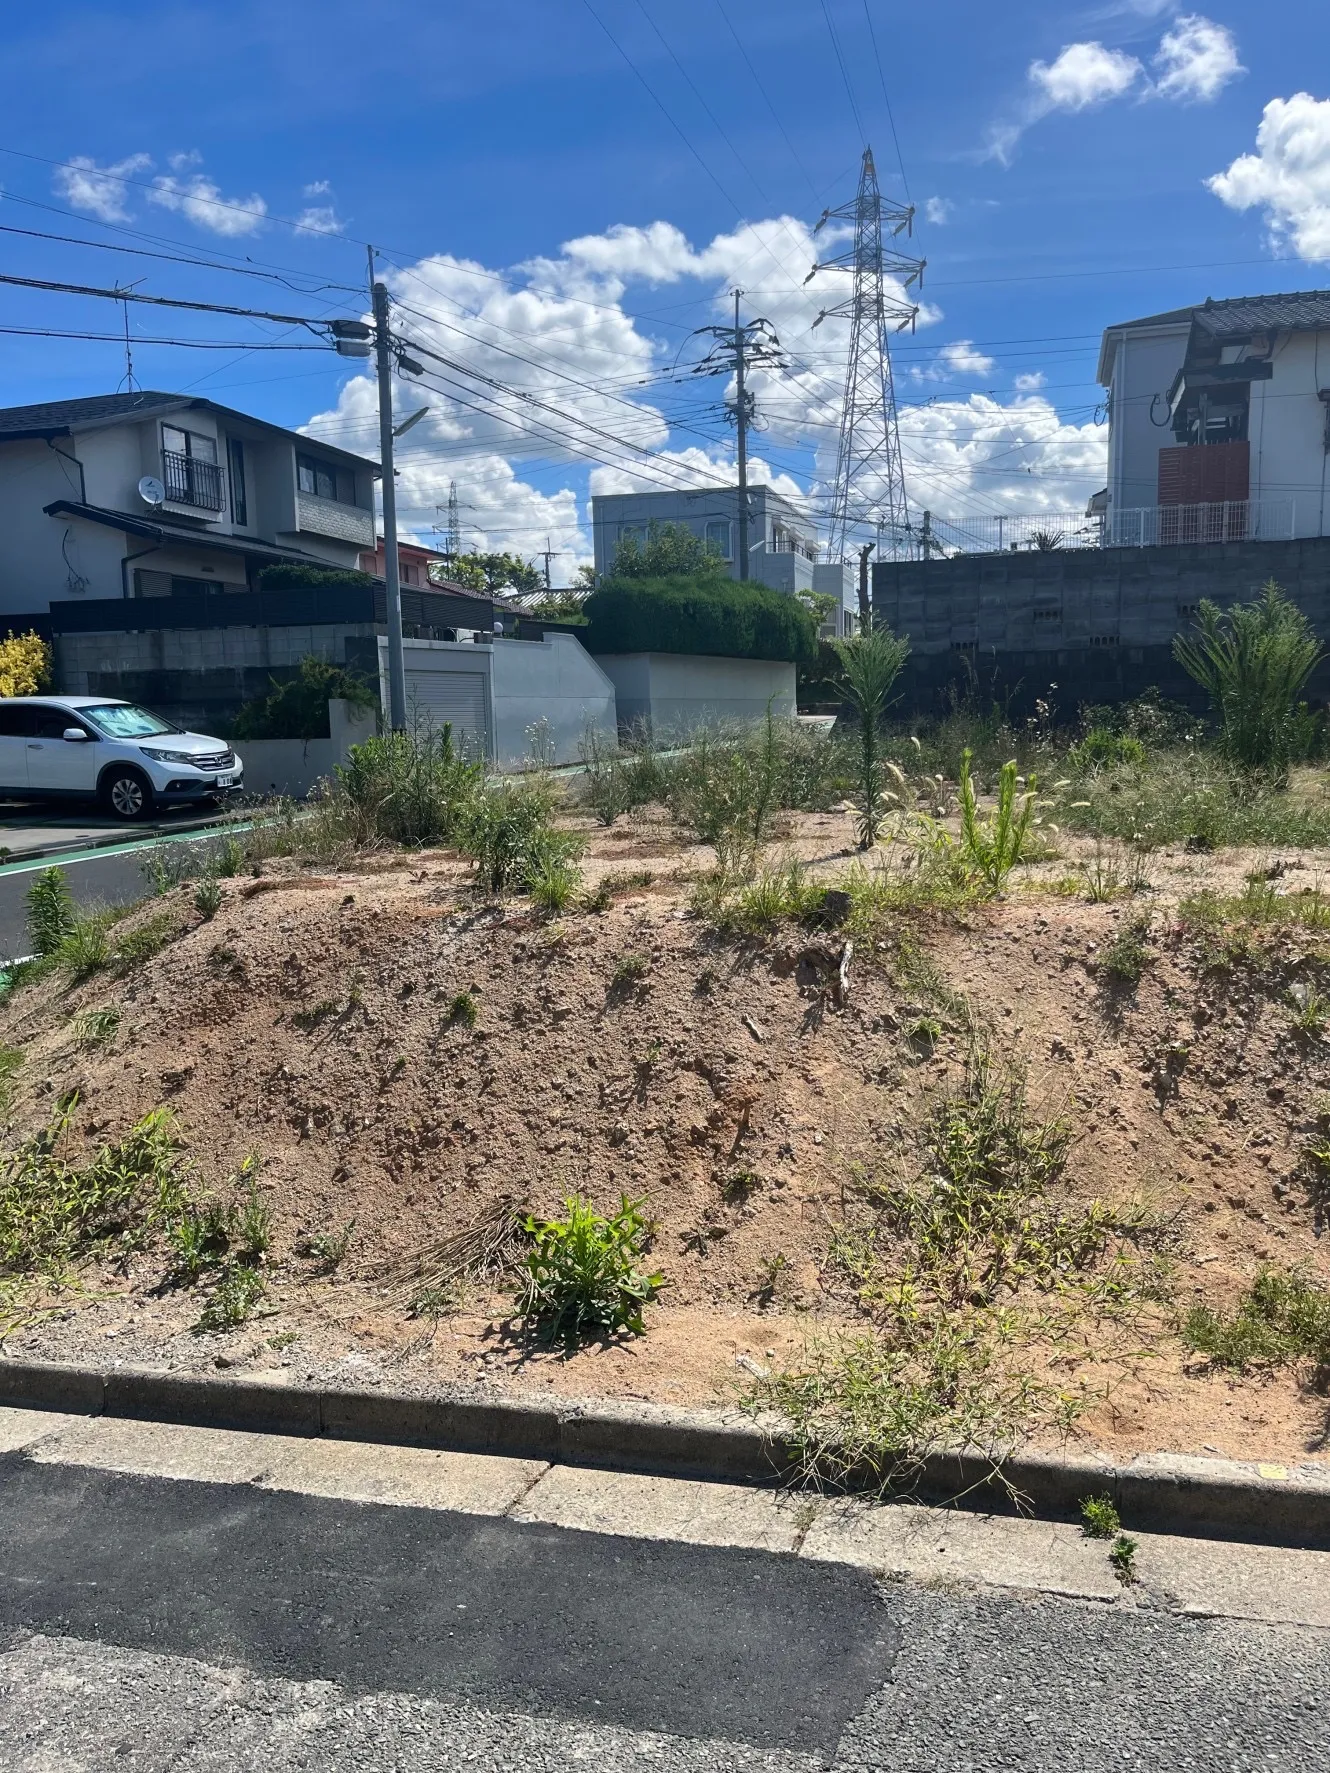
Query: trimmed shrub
{"x":298,"y":708}
{"x":310,"y":578}
{"x":687,"y":615}
{"x":25,"y":664}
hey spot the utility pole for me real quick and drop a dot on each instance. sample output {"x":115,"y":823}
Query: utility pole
{"x":547,"y":551}
{"x":865,"y":601}
{"x":738,"y":349}
{"x":391,"y":572}
{"x":741,"y":427}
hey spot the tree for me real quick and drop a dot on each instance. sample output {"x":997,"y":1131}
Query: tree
{"x":825,"y":606}
{"x":671,"y":551}
{"x":584,"y":579}
{"x":871,"y":662}
{"x":493,"y":572}
{"x":1254,"y":661}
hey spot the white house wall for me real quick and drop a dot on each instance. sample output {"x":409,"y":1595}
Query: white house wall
{"x":1287,"y":431}
{"x":1143,"y":370}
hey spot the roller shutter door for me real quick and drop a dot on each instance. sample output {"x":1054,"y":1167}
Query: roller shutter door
{"x":456,"y":697}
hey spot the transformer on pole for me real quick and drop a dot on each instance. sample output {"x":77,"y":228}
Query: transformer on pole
{"x":869,"y":491}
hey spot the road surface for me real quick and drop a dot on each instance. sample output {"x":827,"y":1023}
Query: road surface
{"x":152,"y":1623}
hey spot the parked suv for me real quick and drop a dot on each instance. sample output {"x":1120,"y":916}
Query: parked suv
{"x":57,"y":747}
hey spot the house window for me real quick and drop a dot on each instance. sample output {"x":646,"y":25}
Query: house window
{"x":324,"y":481}
{"x":190,"y":470}
{"x":632,"y":532}
{"x":718,"y":536}
{"x":235,"y":461}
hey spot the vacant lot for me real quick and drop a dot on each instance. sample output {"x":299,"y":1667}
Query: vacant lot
{"x":935,"y":1148}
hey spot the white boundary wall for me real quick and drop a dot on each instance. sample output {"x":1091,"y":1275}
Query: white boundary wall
{"x":675,"y":693}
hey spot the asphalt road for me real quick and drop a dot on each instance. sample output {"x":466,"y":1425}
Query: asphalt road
{"x":95,"y":878}
{"x":147,"y":1624}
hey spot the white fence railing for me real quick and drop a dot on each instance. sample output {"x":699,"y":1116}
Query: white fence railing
{"x":1236,"y":520}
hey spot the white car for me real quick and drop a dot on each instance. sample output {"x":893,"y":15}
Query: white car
{"x":85,"y":747}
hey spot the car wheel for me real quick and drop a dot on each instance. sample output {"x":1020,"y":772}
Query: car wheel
{"x":127,"y":794}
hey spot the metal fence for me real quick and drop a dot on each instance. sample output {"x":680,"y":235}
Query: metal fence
{"x":1150,"y":526}
{"x":1236,"y":520}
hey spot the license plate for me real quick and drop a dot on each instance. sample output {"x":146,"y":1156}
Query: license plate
{"x":229,"y":780}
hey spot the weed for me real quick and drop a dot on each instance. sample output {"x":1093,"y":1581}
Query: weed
{"x":1099,"y":1517}
{"x":199,"y":1238}
{"x":326,"y":1249}
{"x":53,"y":1209}
{"x":11,"y":1059}
{"x":437,"y":1301}
{"x":870,"y":663}
{"x":629,"y":971}
{"x":236,"y":1292}
{"x":309,"y":1019}
{"x":1123,"y":959}
{"x":553,"y":884}
{"x":284,"y":1339}
{"x":171,"y":864}
{"x":582,"y":1273}
{"x":97,"y":1028}
{"x":142,"y":944}
{"x":726,"y":793}
{"x":509,"y":833}
{"x":253,"y":1221}
{"x":410,"y":788}
{"x":776,"y":893}
{"x":738,"y":1185}
{"x":1122,"y":1556}
{"x":227,"y":859}
{"x":995,"y":845}
{"x":1101,"y":749}
{"x":618,"y":778}
{"x":924,"y":1033}
{"x":1254,"y":660}
{"x":462,"y":1011}
{"x":1282,"y":1318}
{"x":1308,"y":1011}
{"x":86,"y":948}
{"x":769,"y":1272}
{"x":208,"y":898}
{"x":51,"y":913}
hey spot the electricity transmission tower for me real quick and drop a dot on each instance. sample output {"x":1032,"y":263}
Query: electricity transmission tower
{"x":454,"y":543}
{"x":870,"y":475}
{"x":738,"y":349}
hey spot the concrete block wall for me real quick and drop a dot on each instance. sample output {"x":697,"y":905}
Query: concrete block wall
{"x":675,"y":693}
{"x":1098,"y":624}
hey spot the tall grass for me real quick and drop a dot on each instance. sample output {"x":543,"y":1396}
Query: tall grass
{"x":871,"y":662}
{"x":994,"y":845}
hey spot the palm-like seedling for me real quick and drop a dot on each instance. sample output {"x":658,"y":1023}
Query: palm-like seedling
{"x":871,"y":662}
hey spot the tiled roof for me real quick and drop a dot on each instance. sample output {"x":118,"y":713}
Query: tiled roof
{"x":54,"y":418}
{"x":1305,"y":311}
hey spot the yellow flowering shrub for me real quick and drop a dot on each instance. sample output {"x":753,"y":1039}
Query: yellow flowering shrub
{"x":25,"y":664}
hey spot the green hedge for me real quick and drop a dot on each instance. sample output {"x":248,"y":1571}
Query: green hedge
{"x":304,"y":578}
{"x":298,"y":708}
{"x":681,"y":615}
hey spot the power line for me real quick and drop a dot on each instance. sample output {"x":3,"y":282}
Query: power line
{"x":48,"y":332}
{"x":886,"y":99}
{"x":844,"y":72}
{"x":130,"y":295}
{"x":776,"y":118}
{"x":169,"y":257}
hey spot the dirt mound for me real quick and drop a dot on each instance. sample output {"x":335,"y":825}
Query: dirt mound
{"x":405,"y":1057}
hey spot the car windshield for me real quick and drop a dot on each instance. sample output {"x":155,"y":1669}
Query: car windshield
{"x":122,"y":720}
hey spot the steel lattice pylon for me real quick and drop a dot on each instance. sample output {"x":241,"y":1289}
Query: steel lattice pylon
{"x":869,"y":492}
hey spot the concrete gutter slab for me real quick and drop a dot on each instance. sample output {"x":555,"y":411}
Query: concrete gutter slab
{"x":162,"y":1449}
{"x":413,"y":1477}
{"x":642,"y":1507}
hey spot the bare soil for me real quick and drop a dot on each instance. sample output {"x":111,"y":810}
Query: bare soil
{"x":308,"y":1021}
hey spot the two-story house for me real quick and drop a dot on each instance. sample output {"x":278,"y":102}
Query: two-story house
{"x":158,"y":495}
{"x":1219,"y":422}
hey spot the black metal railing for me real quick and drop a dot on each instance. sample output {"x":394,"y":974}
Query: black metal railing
{"x":191,"y":481}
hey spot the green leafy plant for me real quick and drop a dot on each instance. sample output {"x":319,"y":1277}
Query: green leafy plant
{"x":1102,"y":749}
{"x":142,"y":944}
{"x":86,"y":948}
{"x":298,"y":708}
{"x":1308,"y":1011}
{"x":51,"y":911}
{"x":54,"y":1209}
{"x":677,"y":613}
{"x":411,"y":788}
{"x":629,"y":970}
{"x":237,"y":1290}
{"x":870,"y":664}
{"x":326,"y":1249}
{"x":1123,"y":959}
{"x":208,"y":898}
{"x":583,"y":1275}
{"x":1099,"y":1517}
{"x":726,"y":792}
{"x":1122,"y":1556}
{"x":227,"y":859}
{"x":1282,"y":1318}
{"x":11,"y":1060}
{"x":462,"y":1010}
{"x":509,"y":833}
{"x":1253,"y":661}
{"x":994,"y":845}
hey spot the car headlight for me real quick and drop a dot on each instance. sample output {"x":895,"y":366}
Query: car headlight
{"x":169,"y":756}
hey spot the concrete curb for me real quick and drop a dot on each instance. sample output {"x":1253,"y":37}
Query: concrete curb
{"x":1161,"y":1492}
{"x":107,"y":840}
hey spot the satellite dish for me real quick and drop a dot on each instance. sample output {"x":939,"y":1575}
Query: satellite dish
{"x":151,"y":490}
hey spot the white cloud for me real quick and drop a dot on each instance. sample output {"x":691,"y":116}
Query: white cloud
{"x":320,"y":218}
{"x":1288,"y":175}
{"x":963,"y":358}
{"x":197,"y":197}
{"x":1196,"y":59}
{"x":937,"y":210}
{"x":1029,"y":383}
{"x":100,"y":190}
{"x":1084,"y":74}
{"x":319,"y":188}
{"x":979,"y":455}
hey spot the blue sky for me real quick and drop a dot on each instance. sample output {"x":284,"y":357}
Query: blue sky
{"x":563,"y":189}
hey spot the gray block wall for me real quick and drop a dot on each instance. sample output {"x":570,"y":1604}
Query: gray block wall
{"x":1090,"y":624}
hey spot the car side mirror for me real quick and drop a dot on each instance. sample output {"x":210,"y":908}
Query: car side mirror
{"x":74,"y":734}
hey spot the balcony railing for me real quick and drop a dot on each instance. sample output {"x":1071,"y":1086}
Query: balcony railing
{"x":1236,"y":520}
{"x":191,"y":481}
